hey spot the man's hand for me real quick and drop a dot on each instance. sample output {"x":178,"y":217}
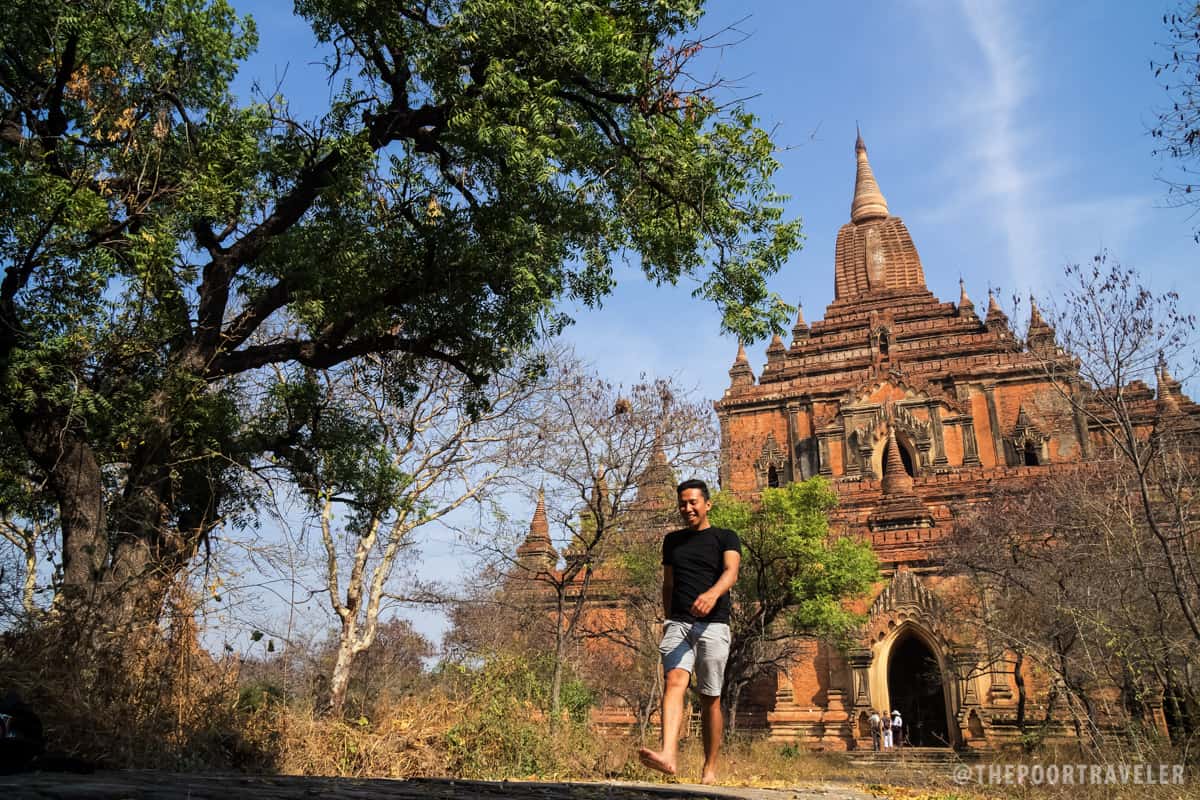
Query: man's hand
{"x":704,"y":604}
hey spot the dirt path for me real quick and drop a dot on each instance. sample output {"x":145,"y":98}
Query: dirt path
{"x":174,"y":786}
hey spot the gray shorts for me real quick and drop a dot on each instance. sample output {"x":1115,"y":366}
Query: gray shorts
{"x":699,"y":647}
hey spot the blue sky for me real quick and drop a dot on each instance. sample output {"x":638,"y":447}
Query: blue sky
{"x":1011,"y":137}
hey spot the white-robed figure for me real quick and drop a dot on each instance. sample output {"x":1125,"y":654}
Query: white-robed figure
{"x":897,"y":728}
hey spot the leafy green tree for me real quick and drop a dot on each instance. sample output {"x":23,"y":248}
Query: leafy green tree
{"x":795,"y":579}
{"x":165,"y":244}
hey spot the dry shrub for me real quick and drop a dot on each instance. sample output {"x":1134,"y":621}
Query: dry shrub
{"x":402,"y":740}
{"x":148,"y":698}
{"x":487,"y":723}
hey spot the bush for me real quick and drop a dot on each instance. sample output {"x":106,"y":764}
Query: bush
{"x":507,"y":730}
{"x":148,"y":698}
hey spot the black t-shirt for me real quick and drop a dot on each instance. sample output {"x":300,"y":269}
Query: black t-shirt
{"x":697,"y":559}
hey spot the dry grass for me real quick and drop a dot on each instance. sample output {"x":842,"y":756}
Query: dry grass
{"x":406,"y":743}
{"x":435,"y":733}
{"x":748,"y":760}
{"x":161,"y":702}
{"x":137,"y":701}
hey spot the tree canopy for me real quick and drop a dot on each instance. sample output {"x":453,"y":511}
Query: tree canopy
{"x":166,"y":244}
{"x":796,"y":579}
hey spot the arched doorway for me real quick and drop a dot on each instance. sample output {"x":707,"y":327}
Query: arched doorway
{"x":915,"y":688}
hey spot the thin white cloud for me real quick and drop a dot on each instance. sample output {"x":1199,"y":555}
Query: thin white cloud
{"x":1007,"y":174}
{"x":998,"y":175}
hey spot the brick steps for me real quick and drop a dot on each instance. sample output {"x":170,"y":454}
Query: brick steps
{"x":915,"y":756}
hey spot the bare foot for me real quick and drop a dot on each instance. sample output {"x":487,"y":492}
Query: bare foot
{"x":708,"y":778}
{"x":656,"y":761}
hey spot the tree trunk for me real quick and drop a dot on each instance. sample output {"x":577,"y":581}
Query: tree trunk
{"x":73,"y":475}
{"x":556,"y":678}
{"x":1019,"y":680}
{"x":339,"y":682}
{"x":731,"y":716}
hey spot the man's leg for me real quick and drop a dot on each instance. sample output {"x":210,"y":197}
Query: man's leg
{"x":664,"y":760}
{"x":712,"y":651}
{"x":678,"y":657}
{"x":712,"y":723}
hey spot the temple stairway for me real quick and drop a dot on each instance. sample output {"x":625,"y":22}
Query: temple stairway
{"x":915,"y":757}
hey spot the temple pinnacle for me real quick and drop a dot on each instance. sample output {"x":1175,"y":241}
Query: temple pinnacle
{"x":740,"y":373}
{"x":1164,"y":374}
{"x":539,"y":527}
{"x":869,"y":202}
{"x":1035,"y":316}
{"x":800,"y":330}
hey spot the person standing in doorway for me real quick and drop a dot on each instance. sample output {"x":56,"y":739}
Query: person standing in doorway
{"x":700,"y":566}
{"x":897,"y":728}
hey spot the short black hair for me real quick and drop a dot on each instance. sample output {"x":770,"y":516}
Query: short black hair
{"x":692,"y":483}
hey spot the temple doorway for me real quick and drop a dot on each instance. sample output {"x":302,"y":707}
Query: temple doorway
{"x":915,"y":688}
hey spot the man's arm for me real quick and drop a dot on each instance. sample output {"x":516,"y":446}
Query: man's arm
{"x":668,"y":587}
{"x":729,"y":574}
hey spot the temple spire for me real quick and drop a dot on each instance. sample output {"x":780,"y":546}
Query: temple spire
{"x":656,"y":483}
{"x":800,"y":330}
{"x":1035,"y":314}
{"x":1169,"y":390}
{"x":996,"y":320}
{"x":868,"y":200}
{"x":963,"y":300}
{"x":740,"y":373}
{"x":537,"y":552}
{"x":775,"y":351}
{"x":1164,"y":373}
{"x":540,"y":526}
{"x":1041,"y":333}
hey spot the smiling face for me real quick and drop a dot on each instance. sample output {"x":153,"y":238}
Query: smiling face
{"x":693,"y":509}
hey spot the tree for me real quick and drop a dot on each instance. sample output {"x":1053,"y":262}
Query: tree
{"x":1121,"y":335}
{"x":1091,"y":573}
{"x":606,"y":487}
{"x":795,"y":579}
{"x":164,"y":243}
{"x":1178,"y":127}
{"x":376,"y":469}
{"x":26,"y":528}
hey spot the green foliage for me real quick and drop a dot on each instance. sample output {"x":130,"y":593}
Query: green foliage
{"x":642,"y":565}
{"x":259,"y":695}
{"x":792,"y":563}
{"x":507,"y":732}
{"x":171,"y":251}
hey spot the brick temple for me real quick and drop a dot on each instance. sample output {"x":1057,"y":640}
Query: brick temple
{"x":913,"y":408}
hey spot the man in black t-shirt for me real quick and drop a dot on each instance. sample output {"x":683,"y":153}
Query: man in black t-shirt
{"x":700,"y":565}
